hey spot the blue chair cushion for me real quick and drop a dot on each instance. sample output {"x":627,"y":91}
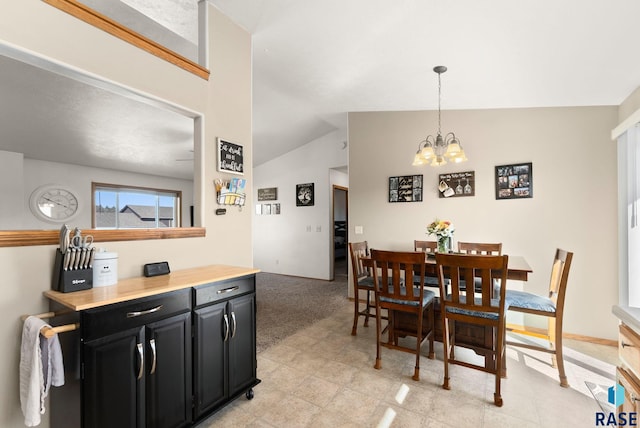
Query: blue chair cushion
{"x":367,"y":281}
{"x":477,"y":314}
{"x":427,"y":297}
{"x":429,"y":281}
{"x":522,"y":299}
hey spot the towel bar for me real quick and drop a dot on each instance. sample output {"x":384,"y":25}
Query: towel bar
{"x":49,"y":332}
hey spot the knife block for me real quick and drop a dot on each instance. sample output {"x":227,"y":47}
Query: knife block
{"x":70,"y":280}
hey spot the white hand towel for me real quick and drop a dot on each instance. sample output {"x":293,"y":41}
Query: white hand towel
{"x":40,"y":367}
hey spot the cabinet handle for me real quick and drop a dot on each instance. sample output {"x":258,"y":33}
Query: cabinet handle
{"x":233,"y":319}
{"x":152,"y":342}
{"x":226,"y":327}
{"x":626,"y":344}
{"x":141,"y":356}
{"x":148,"y":311}
{"x":228,"y":290}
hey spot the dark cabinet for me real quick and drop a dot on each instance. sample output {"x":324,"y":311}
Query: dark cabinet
{"x":141,"y":376}
{"x":111,"y":381}
{"x":163,"y":361}
{"x":225,"y":343}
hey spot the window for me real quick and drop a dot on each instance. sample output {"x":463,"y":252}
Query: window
{"x":129,"y":207}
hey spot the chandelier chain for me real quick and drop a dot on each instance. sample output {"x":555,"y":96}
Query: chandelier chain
{"x":439,"y":100}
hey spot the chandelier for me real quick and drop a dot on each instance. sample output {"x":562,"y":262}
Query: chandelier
{"x":437,"y":150}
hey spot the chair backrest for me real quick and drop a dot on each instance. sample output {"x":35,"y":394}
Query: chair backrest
{"x":467,"y":268}
{"x":357,"y":250}
{"x":428,"y":247}
{"x":393,"y":269}
{"x":559,"y":277}
{"x":494,"y":249}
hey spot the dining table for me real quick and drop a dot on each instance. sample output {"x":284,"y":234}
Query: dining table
{"x":478,"y":338}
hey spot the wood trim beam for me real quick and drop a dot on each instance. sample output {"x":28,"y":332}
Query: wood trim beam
{"x":539,"y":332}
{"x":116,"y":29}
{"x":23,"y":238}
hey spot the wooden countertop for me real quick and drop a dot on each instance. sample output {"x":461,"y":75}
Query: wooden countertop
{"x":135,"y":288}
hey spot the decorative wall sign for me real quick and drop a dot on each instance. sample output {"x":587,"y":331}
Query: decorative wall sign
{"x":457,"y":184}
{"x":406,"y":188}
{"x":304,"y":195}
{"x":268,"y":194}
{"x":514,"y":181}
{"x":230,"y":157}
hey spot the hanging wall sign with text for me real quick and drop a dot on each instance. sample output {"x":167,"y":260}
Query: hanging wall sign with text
{"x":456,"y":184}
{"x":230,"y":157}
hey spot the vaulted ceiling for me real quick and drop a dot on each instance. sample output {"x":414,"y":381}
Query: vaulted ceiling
{"x":316,"y":60}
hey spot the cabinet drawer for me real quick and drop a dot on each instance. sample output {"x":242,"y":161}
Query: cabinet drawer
{"x":216,"y":291}
{"x":110,"y":319}
{"x":631,"y":390}
{"x":629,"y":349}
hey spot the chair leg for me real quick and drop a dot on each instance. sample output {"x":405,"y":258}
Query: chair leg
{"x":366,"y":317}
{"x":499,"y":355}
{"x":432,"y":333}
{"x":558,"y":353}
{"x":416,"y":371}
{"x":378,"y":364}
{"x":445,"y":344}
{"x":356,"y":314}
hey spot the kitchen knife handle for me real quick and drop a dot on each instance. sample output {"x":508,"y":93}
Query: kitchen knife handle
{"x":233,"y":324}
{"x":65,"y":262}
{"x":152,"y":343}
{"x":140,"y":313}
{"x":141,"y":356}
{"x":226,"y":327}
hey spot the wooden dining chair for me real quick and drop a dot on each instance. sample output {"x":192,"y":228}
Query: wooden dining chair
{"x":429,"y":248}
{"x":392,"y":294}
{"x":362,"y":281}
{"x":483,"y":248}
{"x":483,"y":309}
{"x":550,"y":306}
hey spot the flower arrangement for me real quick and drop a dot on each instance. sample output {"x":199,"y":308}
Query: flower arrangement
{"x":443,"y":230}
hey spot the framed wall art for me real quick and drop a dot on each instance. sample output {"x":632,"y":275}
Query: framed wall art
{"x":304,"y":195}
{"x":514,"y":181}
{"x":457,"y":184}
{"x":230,"y":157}
{"x":406,"y":188}
{"x":268,"y":194}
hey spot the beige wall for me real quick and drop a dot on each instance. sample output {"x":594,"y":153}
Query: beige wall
{"x":629,"y":105}
{"x":573,"y":204}
{"x":26,"y":271}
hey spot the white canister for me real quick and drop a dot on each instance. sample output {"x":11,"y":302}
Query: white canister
{"x":105,"y":269}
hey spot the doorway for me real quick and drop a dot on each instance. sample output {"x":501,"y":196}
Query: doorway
{"x":340,"y":233}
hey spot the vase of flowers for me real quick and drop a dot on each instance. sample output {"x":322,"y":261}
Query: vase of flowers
{"x":443,"y":230}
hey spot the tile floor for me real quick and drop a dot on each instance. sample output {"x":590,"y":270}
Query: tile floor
{"x":324,"y":377}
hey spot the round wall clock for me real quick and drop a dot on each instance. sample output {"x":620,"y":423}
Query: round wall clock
{"x":54,"y":203}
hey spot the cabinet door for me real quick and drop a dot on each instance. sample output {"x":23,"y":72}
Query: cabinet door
{"x":113,"y":390}
{"x":242,"y":343}
{"x":168,"y":372}
{"x":212,"y":328}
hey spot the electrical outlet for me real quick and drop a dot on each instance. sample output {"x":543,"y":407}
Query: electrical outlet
{"x":358,"y":230}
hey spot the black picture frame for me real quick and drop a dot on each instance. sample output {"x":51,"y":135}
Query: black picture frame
{"x":230,"y":157}
{"x":268,"y":194}
{"x":405,"y":188}
{"x":514,"y":181}
{"x":461,"y":184}
{"x":304,"y":195}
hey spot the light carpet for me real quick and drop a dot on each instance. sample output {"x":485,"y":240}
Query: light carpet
{"x":286,"y":304}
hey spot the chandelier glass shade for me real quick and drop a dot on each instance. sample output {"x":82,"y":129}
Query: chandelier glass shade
{"x":438,"y":150}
